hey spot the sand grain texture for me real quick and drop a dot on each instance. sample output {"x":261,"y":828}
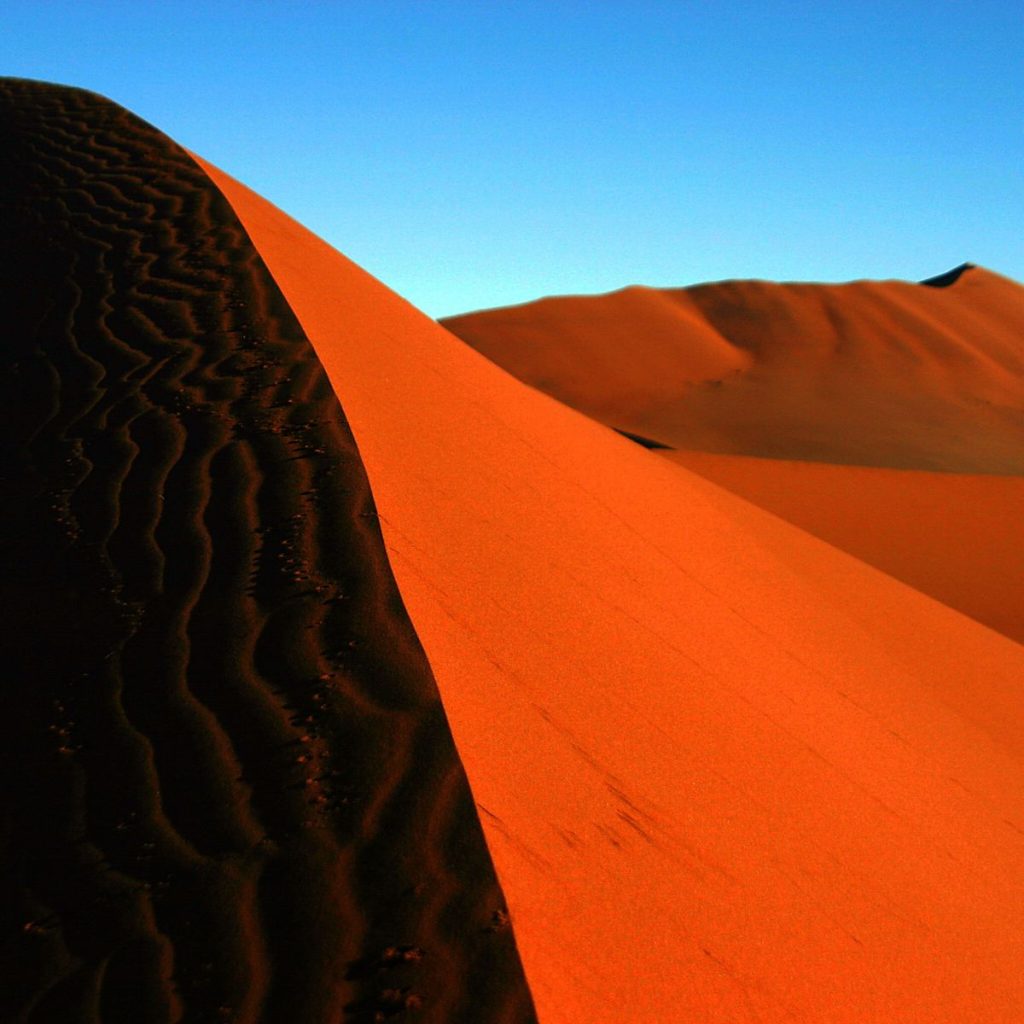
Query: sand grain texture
{"x":227,"y":784}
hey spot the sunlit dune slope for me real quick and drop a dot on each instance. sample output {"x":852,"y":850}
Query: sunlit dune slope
{"x":612,"y":356}
{"x":882,"y":373}
{"x":956,"y":537}
{"x":727,"y":773}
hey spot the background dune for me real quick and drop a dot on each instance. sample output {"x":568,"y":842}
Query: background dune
{"x":726,"y":771}
{"x":876,"y":373}
{"x":953,"y":536}
{"x":884,"y":417}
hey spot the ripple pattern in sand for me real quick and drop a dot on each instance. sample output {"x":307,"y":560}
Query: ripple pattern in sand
{"x":228,"y":788}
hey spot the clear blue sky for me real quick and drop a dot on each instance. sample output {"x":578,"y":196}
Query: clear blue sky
{"x":477,"y":154}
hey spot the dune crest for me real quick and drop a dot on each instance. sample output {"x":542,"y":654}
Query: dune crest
{"x":595,"y":344}
{"x":950,"y":277}
{"x":726,"y":772}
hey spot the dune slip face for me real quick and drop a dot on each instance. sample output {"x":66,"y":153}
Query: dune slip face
{"x":227,"y":784}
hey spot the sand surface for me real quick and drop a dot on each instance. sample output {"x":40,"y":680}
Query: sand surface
{"x":881,"y":416}
{"x":954,"y":536}
{"x":727,"y":772}
{"x":877,"y":373}
{"x":228,"y":790}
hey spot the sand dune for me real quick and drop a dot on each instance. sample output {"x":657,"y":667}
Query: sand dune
{"x":229,"y":791}
{"x":849,"y":400}
{"x":953,"y":536}
{"x":726,"y":771}
{"x":877,"y":373}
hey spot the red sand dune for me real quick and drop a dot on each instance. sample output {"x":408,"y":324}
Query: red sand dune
{"x":726,"y":772}
{"x":878,"y":373}
{"x":228,"y":789}
{"x":902,"y":379}
{"x":954,"y":536}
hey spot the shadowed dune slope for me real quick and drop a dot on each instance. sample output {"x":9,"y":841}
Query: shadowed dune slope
{"x":727,"y":772}
{"x":953,"y":536}
{"x":227,"y":785}
{"x":879,"y":373}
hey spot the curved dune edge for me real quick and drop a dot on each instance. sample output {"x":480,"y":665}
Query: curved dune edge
{"x":228,"y":789}
{"x":816,"y":371}
{"x":726,"y":772}
{"x":596,"y":343}
{"x":953,"y":536}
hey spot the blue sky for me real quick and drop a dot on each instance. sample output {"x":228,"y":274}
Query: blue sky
{"x":478,"y":154}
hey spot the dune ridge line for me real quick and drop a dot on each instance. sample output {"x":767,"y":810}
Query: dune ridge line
{"x":726,"y":771}
{"x":229,"y":788}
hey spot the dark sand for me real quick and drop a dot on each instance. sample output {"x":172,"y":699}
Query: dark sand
{"x":228,"y":787}
{"x":726,"y":772}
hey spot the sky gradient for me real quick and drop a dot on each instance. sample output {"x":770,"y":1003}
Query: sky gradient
{"x":479,"y":154}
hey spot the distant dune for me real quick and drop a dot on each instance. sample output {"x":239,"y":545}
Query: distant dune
{"x":873,"y":373}
{"x":724,"y":771}
{"x":953,"y":536}
{"x":884,"y":417}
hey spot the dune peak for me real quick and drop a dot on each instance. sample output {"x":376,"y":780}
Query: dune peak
{"x":950,"y":277}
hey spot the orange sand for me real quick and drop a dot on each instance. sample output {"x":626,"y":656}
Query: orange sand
{"x":880,"y":373}
{"x":596,"y":365}
{"x":727,"y":773}
{"x":953,"y":536}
